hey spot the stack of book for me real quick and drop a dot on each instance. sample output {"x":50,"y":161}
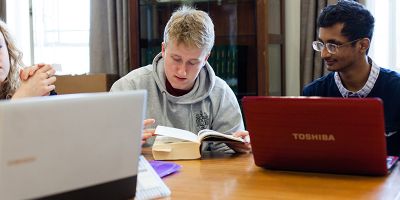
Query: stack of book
{"x":148,"y":54}
{"x":224,"y":61}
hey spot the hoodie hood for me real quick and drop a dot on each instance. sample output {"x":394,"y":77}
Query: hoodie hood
{"x":211,"y":104}
{"x":202,"y":88}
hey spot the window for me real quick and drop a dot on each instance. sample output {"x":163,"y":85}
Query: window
{"x":56,"y":32}
{"x":385,"y":47}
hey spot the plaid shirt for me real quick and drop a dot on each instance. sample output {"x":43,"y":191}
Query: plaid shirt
{"x":366,"y":89}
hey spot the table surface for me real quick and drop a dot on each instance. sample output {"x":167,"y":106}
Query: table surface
{"x":235,"y":176}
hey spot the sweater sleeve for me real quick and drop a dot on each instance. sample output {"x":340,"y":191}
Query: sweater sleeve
{"x":122,"y":84}
{"x":227,"y":118}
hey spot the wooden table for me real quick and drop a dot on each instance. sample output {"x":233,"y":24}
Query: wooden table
{"x":221,"y":176}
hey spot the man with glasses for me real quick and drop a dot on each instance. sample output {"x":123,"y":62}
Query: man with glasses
{"x":344,"y":36}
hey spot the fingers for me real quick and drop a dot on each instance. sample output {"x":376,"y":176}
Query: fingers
{"x":35,"y":68}
{"x":44,"y":67}
{"x":247,"y":139}
{"x":51,"y":72}
{"x":50,"y":81}
{"x":45,"y":90}
{"x":47,"y":70}
{"x":48,"y":85}
{"x":147,"y":135}
{"x":40,"y":65}
{"x":50,"y":88}
{"x":241,"y":134}
{"x":148,"y":122}
{"x":149,"y":132}
{"x":26,"y":72}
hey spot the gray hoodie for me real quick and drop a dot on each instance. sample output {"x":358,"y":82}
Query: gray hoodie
{"x":211,"y":104}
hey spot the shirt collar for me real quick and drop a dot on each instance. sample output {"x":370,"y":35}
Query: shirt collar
{"x":366,"y":89}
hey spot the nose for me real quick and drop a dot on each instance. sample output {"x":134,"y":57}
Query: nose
{"x":181,"y":70}
{"x":325,"y":53}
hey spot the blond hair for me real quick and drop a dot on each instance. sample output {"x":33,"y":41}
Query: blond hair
{"x":191,"y":27}
{"x":11,"y":83}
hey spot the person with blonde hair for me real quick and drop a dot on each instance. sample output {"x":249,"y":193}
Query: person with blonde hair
{"x":19,"y":82}
{"x":183,"y":90}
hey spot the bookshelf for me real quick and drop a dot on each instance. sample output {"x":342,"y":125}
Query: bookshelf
{"x":246,"y":31}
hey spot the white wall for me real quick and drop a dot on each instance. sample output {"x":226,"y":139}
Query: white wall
{"x":292,"y":47}
{"x":19,"y":25}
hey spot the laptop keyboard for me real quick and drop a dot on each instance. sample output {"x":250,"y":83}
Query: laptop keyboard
{"x":149,"y":184}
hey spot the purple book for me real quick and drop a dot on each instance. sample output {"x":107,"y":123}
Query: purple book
{"x":164,"y":168}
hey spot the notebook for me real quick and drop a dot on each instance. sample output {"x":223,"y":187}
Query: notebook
{"x":316,"y":134}
{"x":79,"y":146}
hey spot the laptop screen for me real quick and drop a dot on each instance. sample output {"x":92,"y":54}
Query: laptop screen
{"x":334,"y":135}
{"x":71,"y":145}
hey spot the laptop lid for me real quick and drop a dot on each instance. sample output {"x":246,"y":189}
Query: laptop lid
{"x":315,"y":134}
{"x":79,"y":146}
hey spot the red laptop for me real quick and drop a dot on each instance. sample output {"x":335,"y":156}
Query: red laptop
{"x":316,"y":134}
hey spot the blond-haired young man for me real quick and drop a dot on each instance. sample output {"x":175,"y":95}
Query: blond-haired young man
{"x":183,"y":90}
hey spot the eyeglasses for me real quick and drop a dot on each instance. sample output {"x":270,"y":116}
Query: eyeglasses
{"x":332,"y":48}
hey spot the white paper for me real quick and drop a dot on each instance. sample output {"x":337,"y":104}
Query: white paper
{"x":176,"y":133}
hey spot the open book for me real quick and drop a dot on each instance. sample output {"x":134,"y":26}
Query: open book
{"x":178,"y":144}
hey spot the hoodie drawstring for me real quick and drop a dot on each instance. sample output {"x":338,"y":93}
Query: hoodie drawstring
{"x":165,"y":108}
{"x":190,"y":118}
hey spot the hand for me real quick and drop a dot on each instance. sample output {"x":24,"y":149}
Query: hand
{"x":27,"y":72}
{"x":240,"y":147}
{"x":147,"y":133}
{"x":40,"y":83}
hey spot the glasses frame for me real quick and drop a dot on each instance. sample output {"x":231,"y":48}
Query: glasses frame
{"x":330,"y":46}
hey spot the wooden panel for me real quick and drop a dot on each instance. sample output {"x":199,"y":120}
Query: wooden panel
{"x":134,"y":34}
{"x":262,"y":50}
{"x":233,"y":19}
{"x":283,"y":49}
{"x":275,"y":39}
{"x":69,"y":84}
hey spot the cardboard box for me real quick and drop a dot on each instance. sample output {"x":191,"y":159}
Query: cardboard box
{"x":69,"y":84}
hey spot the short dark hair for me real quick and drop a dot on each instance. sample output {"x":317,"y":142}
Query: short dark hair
{"x":357,"y":21}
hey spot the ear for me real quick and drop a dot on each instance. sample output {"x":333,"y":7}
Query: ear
{"x":207,"y":56}
{"x":163,"y":49}
{"x":364,"y":45}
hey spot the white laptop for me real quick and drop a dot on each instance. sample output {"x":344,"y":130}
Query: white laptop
{"x":79,"y":146}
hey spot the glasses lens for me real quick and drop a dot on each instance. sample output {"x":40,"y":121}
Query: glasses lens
{"x":318,"y":46}
{"x":332,"y":48}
